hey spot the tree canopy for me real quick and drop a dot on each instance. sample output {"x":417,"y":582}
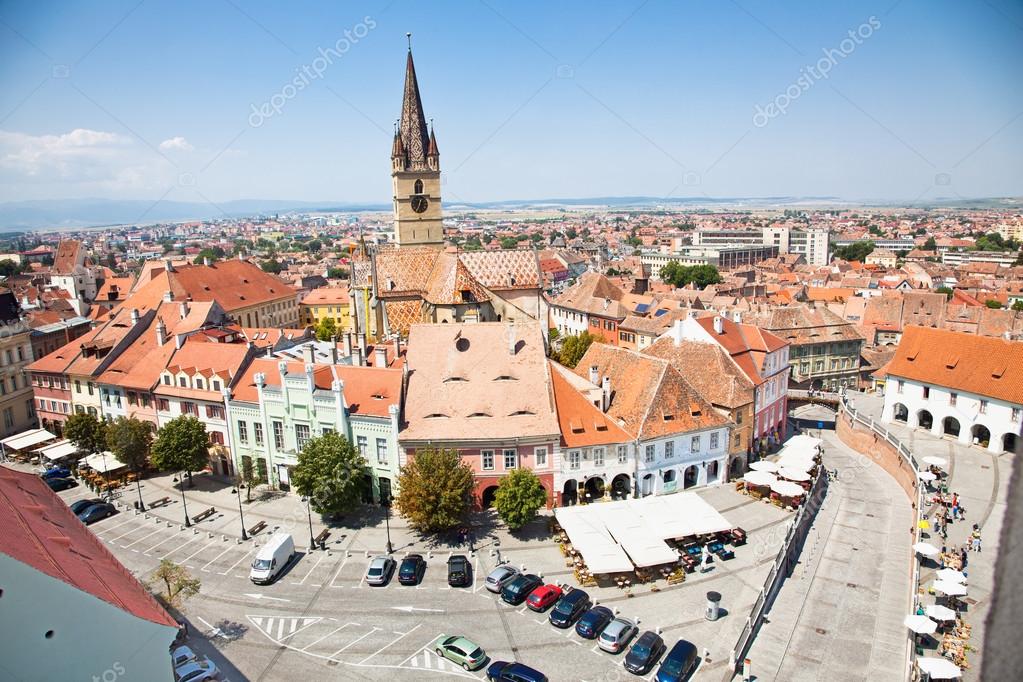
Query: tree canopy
{"x":181,"y":445}
{"x":435,"y":490}
{"x":130,"y":440}
{"x":992,"y":241}
{"x":272,"y":266}
{"x":573,"y":348}
{"x":88,"y":433}
{"x":944,"y":290}
{"x":337,"y":273}
{"x":330,"y":472}
{"x":326,"y":329}
{"x":857,"y":251}
{"x":214,"y":254}
{"x":930,"y":244}
{"x":176,"y":582}
{"x":519,"y":496}
{"x":679,"y":275}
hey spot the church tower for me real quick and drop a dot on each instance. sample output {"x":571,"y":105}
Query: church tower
{"x":415,"y":171}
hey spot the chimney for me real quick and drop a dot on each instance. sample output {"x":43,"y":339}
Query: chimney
{"x":676,"y":332}
{"x":348,"y":344}
{"x":333,"y":353}
{"x":736,"y":317}
{"x":357,"y":358}
{"x":605,"y":390}
{"x":362,"y":345}
{"x":206,"y":261}
{"x":168,"y":265}
{"x":594,"y":378}
{"x":397,"y":346}
{"x":691,"y":314}
{"x":719,"y":325}
{"x":179,"y":340}
{"x":309,"y":353}
{"x":183,"y":309}
{"x":511,"y":339}
{"x":161,"y":331}
{"x":380,"y":352}
{"x":134,"y":316}
{"x":168,"y":297}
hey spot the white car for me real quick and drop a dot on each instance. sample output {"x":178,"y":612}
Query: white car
{"x":501,"y":576}
{"x":197,"y":671}
{"x":181,"y":656}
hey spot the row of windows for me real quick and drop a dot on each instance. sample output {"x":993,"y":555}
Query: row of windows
{"x":597,"y":323}
{"x":10,"y":384}
{"x":21,"y":352}
{"x":303,"y":434}
{"x":53,"y":406}
{"x":649,"y":454}
{"x":953,"y":398}
{"x":575,"y":456}
{"x":511,"y":458}
{"x":197,"y":382}
{"x":49,"y":381}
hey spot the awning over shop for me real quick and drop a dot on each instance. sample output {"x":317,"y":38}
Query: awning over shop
{"x":27,"y":439}
{"x":676,"y":516}
{"x":592,"y":539}
{"x":58,"y":450}
{"x":101,"y":463}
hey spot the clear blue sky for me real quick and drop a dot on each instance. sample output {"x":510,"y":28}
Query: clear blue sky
{"x":531,"y":99}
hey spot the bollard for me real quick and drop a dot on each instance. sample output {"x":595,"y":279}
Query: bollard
{"x":147,"y":516}
{"x":239,"y":541}
{"x":367,"y":553}
{"x":210,"y":535}
{"x":225,"y":537}
{"x":658,"y":630}
{"x":747,"y":670}
{"x":195,"y":531}
{"x":348,"y":554}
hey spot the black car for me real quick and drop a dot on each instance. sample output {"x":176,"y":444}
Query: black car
{"x":97,"y":512}
{"x":503,"y":671}
{"x":593,"y":621}
{"x":569,"y":608}
{"x":459,"y":571}
{"x":81,"y":505}
{"x":644,"y":653}
{"x":517,"y":590}
{"x":679,"y":664}
{"x":58,"y":484}
{"x":411,"y":570}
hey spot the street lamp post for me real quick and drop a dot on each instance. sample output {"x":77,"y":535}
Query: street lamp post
{"x":386,"y":502}
{"x":138,"y":484}
{"x":184,"y":505}
{"x":241,"y":515}
{"x":309,"y":511}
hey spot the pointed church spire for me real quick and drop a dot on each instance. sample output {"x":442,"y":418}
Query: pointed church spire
{"x":415,"y":136}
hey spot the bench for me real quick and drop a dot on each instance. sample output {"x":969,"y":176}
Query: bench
{"x":162,"y":502}
{"x":321,"y":539}
{"x":204,"y":515}
{"x":258,"y":527}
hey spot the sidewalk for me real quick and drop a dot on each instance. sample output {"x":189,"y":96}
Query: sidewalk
{"x":982,"y":479}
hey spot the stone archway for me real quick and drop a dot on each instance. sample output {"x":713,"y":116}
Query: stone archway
{"x":570,"y":493}
{"x":594,"y":488}
{"x":737,"y":468}
{"x":621,"y":487}
{"x":900,"y":413}
{"x":1009,"y":442}
{"x":690,"y":477}
{"x":950,"y":426}
{"x":487,"y":499}
{"x":924,"y":419}
{"x":712,"y":472}
{"x":980,"y":435}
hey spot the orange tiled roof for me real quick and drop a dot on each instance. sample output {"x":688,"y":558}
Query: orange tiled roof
{"x":327,"y":296}
{"x":582,"y":423}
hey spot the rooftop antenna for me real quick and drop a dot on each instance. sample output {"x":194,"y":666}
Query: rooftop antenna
{"x":409,"y":37}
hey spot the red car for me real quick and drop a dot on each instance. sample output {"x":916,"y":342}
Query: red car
{"x":543,"y":596}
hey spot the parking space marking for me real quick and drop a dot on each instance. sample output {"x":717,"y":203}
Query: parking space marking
{"x":182,"y":546}
{"x":246,"y":556}
{"x":200,"y":550}
{"x":363,"y":575}
{"x":425,"y":659}
{"x":107,"y":529}
{"x":357,"y":639}
{"x":475,"y":571}
{"x":338,"y":572}
{"x":135,"y":542}
{"x":391,"y":643}
{"x":335,"y":630}
{"x":173,"y":535}
{"x":302,"y":581}
{"x":229,"y":548}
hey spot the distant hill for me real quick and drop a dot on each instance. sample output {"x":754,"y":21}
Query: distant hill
{"x":72,"y":214}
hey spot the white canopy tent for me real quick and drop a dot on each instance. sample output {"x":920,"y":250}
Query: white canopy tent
{"x":27,"y":439}
{"x":759,"y":478}
{"x":802,"y":445}
{"x":637,"y":538}
{"x":793,"y":474}
{"x":787,"y":489}
{"x":939,"y":668}
{"x":588,"y":535}
{"x":764,"y":465}
{"x":58,"y":450}
{"x":679,"y":515}
{"x":102,"y":463}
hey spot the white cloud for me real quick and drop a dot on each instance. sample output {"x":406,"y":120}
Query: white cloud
{"x":176,"y":143}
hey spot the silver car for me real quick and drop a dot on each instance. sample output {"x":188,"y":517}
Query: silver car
{"x":617,"y":634}
{"x":380,"y":570}
{"x":197,"y":671}
{"x":501,"y":576}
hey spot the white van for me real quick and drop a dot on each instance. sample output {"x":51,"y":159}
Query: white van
{"x":272,"y":558}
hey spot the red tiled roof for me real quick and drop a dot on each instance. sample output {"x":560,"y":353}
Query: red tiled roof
{"x":40,"y":531}
{"x":582,"y":423}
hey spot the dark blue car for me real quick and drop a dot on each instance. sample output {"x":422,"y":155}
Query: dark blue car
{"x":503,"y":671}
{"x":569,"y":608}
{"x":97,"y":512}
{"x":81,"y":505}
{"x":58,"y":484}
{"x":593,"y":621}
{"x":679,"y":664}
{"x":56,"y":472}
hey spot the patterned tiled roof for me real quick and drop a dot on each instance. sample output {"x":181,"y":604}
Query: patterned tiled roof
{"x":452,"y":284}
{"x":401,"y":315}
{"x":504,"y":269}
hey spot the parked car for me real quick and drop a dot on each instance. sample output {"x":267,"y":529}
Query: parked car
{"x":81,"y":505}
{"x":569,"y":608}
{"x":616,"y":635}
{"x":501,"y":576}
{"x":517,"y":590}
{"x":380,"y":570}
{"x":459,"y":571}
{"x":679,"y":664}
{"x":181,"y":656}
{"x":97,"y":512}
{"x":56,"y":472}
{"x":543,"y":596}
{"x":197,"y":671}
{"x":412,"y":569}
{"x":58,"y":484}
{"x":594,"y":621}
{"x":460,"y":650}
{"x":644,"y":653}
{"x":504,"y":671}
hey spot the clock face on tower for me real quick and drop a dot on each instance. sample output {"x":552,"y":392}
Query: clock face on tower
{"x":419,"y":203}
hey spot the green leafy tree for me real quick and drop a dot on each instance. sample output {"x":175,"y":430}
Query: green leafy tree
{"x":857,"y":251}
{"x":944,"y":290}
{"x":574,"y":347}
{"x":130,"y":440}
{"x":248,"y":477}
{"x":509,"y":242}
{"x":330,"y":472}
{"x":1017,"y":306}
{"x":313,"y":246}
{"x":181,"y":445}
{"x":174,"y":583}
{"x":679,"y":275}
{"x":519,"y":496}
{"x":435,"y":490}
{"x":273,"y":266}
{"x":930,"y":244}
{"x":337,"y":273}
{"x":326,"y":329}
{"x":992,"y":303}
{"x":214,"y":254}
{"x":88,"y":433}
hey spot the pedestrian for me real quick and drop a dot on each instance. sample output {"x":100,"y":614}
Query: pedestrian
{"x":976,"y":540}
{"x":962,"y":555}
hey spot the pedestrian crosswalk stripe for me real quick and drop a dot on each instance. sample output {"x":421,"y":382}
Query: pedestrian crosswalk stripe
{"x":278,"y":628}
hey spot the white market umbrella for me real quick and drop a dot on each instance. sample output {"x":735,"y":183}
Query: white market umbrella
{"x":764,"y":465}
{"x":760,"y":478}
{"x":949,"y":588}
{"x":787,"y":488}
{"x":935,"y":461}
{"x":925,"y":476}
{"x":797,"y":462}
{"x":926,"y":548}
{"x":793,"y":474}
{"x":939,"y":668}
{"x":939,"y":612}
{"x":921,"y":625}
{"x":951,"y":575}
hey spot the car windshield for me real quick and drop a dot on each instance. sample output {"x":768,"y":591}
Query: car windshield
{"x":376,"y":570}
{"x":261,"y":564}
{"x":607,"y":636}
{"x":477,"y":652}
{"x":563,"y":607}
{"x":640,"y":649}
{"x":672,"y":665}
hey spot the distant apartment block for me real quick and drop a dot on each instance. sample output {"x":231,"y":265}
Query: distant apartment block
{"x":957,"y":258}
